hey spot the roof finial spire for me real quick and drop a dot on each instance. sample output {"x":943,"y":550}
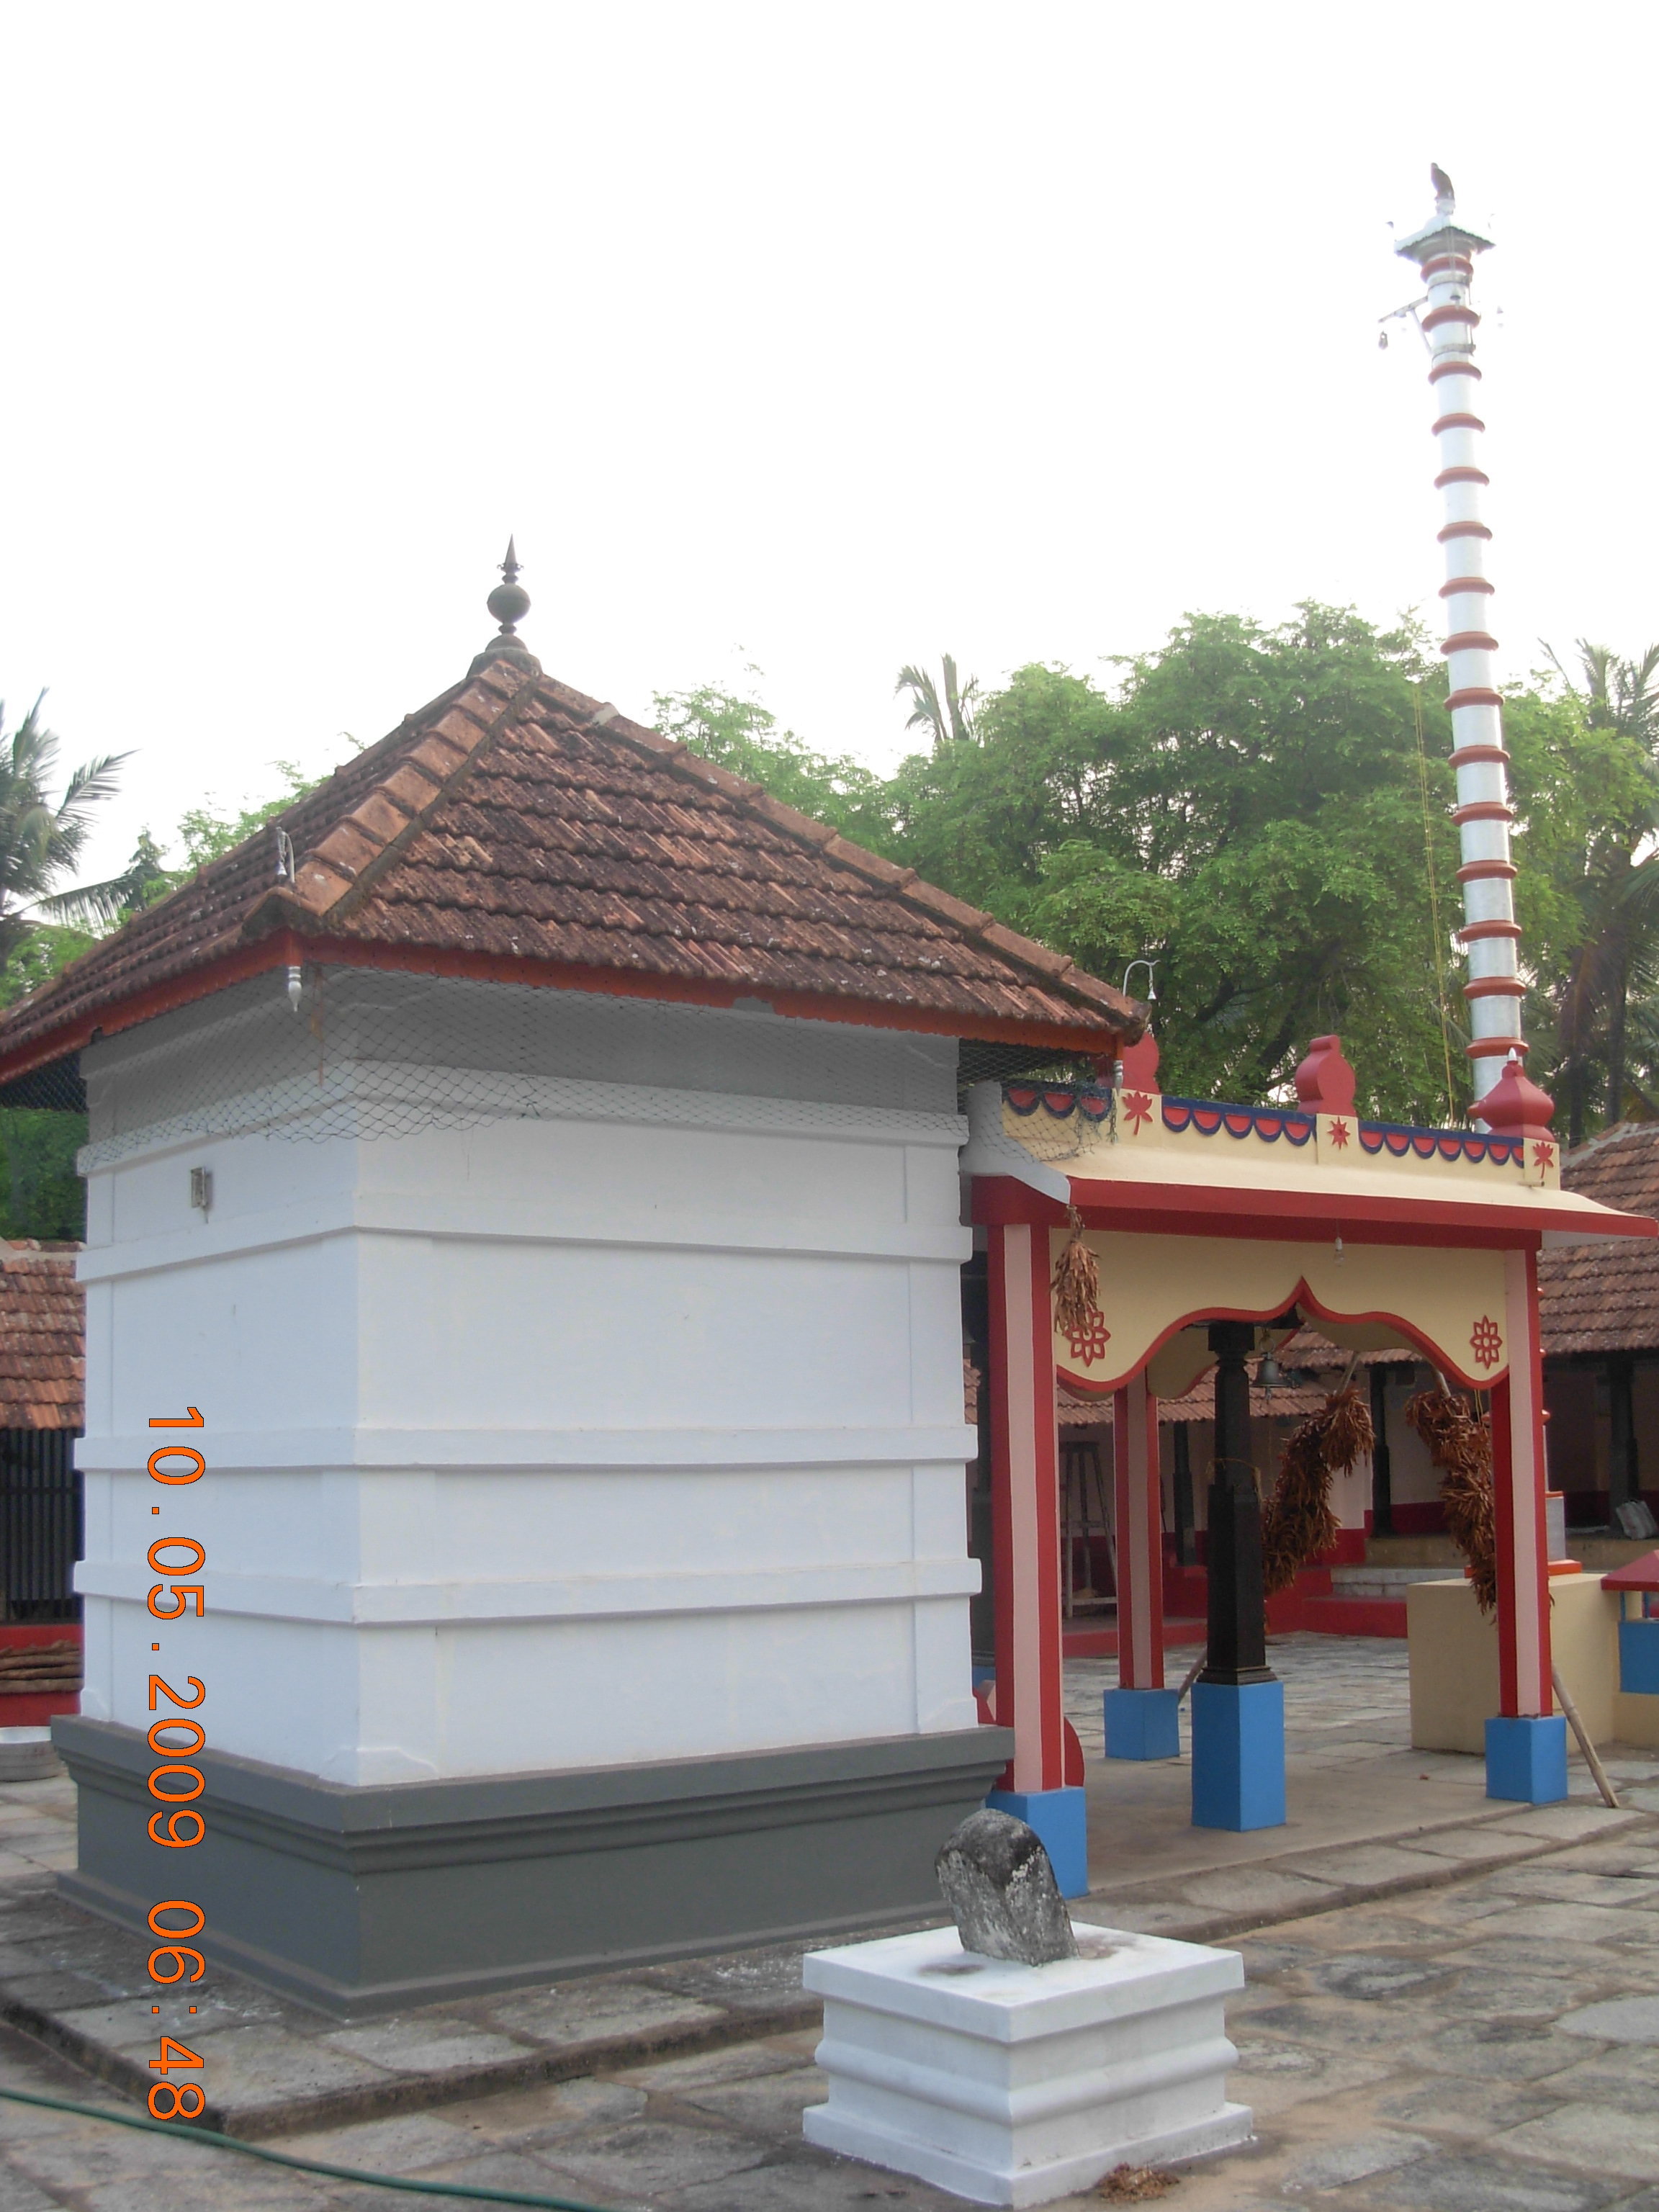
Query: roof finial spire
{"x":509,"y":603}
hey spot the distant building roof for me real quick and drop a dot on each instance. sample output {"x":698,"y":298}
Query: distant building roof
{"x":1605,"y":1297}
{"x":516,"y":830}
{"x":43,"y":1327}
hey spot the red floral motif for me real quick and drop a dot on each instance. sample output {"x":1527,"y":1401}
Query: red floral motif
{"x":1088,"y":1343}
{"x":1338,"y":1135}
{"x":1487,"y":1342}
{"x":1543,"y":1156}
{"x":1137,"y":1108}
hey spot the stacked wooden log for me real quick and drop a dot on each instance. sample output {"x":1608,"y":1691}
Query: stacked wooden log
{"x":36,"y":1670}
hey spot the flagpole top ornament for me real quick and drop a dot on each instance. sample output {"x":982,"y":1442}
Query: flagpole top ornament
{"x":1442,"y":232}
{"x":509,"y":603}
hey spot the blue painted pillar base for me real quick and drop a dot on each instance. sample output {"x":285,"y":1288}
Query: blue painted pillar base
{"x":1527,"y":1759}
{"x":1142,"y":1724}
{"x":1238,"y":1755}
{"x":1639,"y":1657}
{"x":1060,"y":1822}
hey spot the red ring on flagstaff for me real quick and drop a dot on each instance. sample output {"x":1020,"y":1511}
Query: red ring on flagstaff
{"x":1485,"y":872}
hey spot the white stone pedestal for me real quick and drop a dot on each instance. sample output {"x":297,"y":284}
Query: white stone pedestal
{"x":1015,"y":2085}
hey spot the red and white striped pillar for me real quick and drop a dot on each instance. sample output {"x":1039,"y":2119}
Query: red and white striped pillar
{"x":1524,"y":1685}
{"x":1026,"y":1507}
{"x":1445,"y":251}
{"x":1138,"y":1493}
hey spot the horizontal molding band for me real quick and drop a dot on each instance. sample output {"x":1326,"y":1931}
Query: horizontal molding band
{"x":1462,"y":530}
{"x":1465,"y":584}
{"x":1474,"y":694}
{"x":368,"y":1449}
{"x":1470,"y":640}
{"x":1460,"y":475}
{"x":1452,"y":368}
{"x":1473,"y":931}
{"x":291,"y":1106}
{"x":1483,"y":810}
{"x":490,"y":1221}
{"x":1469,"y":756}
{"x":1455,"y":422}
{"x":1478,"y":871}
{"x":1459,"y":264}
{"x":547,"y":1598}
{"x":1495,"y":986}
{"x":1453,"y":311}
{"x":1496,"y":1048}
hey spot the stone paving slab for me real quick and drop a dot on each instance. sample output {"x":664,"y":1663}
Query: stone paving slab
{"x":1396,"y":2057}
{"x":1425,"y":1968}
{"x":274,"y":2066}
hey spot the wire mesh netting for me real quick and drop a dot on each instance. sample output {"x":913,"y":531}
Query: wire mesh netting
{"x":339,"y":1051}
{"x":329,"y":1051}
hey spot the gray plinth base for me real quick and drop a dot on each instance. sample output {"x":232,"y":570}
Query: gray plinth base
{"x":363,"y":1901}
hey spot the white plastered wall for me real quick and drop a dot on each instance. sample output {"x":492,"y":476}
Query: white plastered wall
{"x":629,"y":1432}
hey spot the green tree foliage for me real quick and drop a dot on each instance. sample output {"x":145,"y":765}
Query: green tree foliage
{"x":1595,"y":944}
{"x":41,"y":839}
{"x":40,"y":1192}
{"x":949,"y":714}
{"x":205,"y":833}
{"x":740,"y":734}
{"x":1249,"y":807}
{"x":1245,"y":807}
{"x":41,"y":1195}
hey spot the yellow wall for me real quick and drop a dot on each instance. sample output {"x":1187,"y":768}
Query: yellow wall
{"x":1454,"y":1664}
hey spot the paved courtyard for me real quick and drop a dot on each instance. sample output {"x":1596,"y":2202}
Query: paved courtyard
{"x":1454,"y":2009}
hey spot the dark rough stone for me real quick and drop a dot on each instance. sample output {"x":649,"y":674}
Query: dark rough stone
{"x":1002,"y":1893}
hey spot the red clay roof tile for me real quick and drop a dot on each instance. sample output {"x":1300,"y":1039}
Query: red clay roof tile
{"x":42,"y":1337}
{"x":517,"y":821}
{"x":1605,"y":1297}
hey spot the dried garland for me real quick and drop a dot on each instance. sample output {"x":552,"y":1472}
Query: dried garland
{"x":1076,"y":1282}
{"x":1297,"y":1522}
{"x":1460,"y":1444}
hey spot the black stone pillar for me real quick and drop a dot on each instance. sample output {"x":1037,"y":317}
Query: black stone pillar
{"x":1624,"y":1474}
{"x":1382,"y":1465}
{"x":976,"y":1345}
{"x":1186,"y":1544}
{"x":1238,"y":1630}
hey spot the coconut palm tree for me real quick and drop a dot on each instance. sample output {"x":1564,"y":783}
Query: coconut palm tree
{"x":41,"y":839}
{"x":952,"y":720}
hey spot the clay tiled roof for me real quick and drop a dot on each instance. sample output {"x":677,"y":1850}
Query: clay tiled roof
{"x":1605,"y":1297}
{"x":518,"y":829}
{"x":43,"y":1329}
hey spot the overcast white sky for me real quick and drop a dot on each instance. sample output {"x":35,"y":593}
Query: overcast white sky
{"x":829,"y":337}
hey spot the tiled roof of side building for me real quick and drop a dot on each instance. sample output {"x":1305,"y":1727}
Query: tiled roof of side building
{"x":1605,"y":1297}
{"x":43,"y":1365}
{"x":518,"y":829}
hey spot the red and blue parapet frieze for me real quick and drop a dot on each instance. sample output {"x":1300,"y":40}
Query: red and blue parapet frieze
{"x":1270,"y":1123}
{"x":1399,"y":1138}
{"x":1094,"y":1104}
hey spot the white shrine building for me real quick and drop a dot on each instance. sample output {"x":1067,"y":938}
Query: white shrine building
{"x":537,"y":1159}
